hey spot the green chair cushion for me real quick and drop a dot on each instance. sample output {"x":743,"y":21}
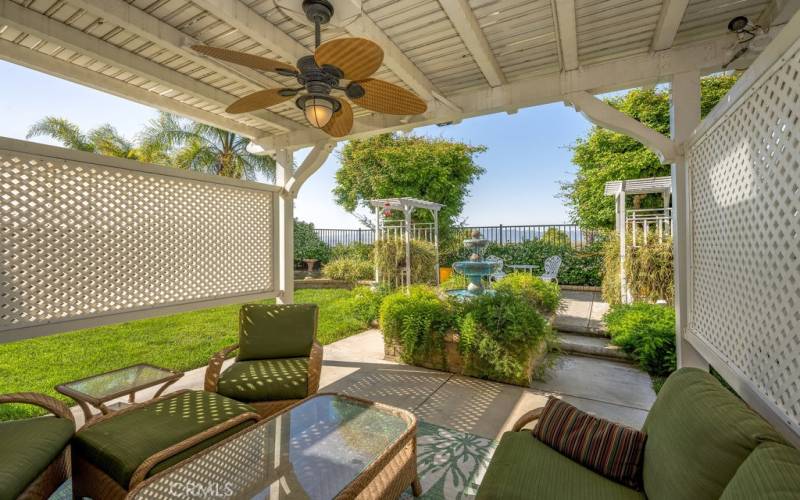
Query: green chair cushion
{"x":276,"y":331}
{"x":27,"y":447}
{"x":120,"y":444}
{"x":265,"y":380}
{"x":698,"y":434}
{"x":771,"y":472}
{"x":523,"y":467}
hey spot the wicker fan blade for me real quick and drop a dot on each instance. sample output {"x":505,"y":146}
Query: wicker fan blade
{"x":385,"y":97}
{"x":257,"y":100}
{"x":342,"y":121}
{"x":358,"y":58}
{"x":243,"y":59}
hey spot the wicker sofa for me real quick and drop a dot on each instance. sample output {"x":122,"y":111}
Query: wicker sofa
{"x":702,"y":443}
{"x":34,"y":454}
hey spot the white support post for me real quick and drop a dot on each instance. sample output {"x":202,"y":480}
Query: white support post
{"x":407,"y":211}
{"x":684,"y":118}
{"x":622,"y":224}
{"x":284,"y":168}
{"x":377,"y":239}
{"x":436,"y":241}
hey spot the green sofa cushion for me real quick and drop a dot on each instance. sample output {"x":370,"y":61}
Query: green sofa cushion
{"x":276,"y":331}
{"x":120,"y":444}
{"x":265,"y":380}
{"x":698,"y":434}
{"x":771,"y":472}
{"x":27,"y":447}
{"x":524,"y":467}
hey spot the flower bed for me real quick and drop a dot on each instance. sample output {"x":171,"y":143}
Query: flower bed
{"x":501,"y":337}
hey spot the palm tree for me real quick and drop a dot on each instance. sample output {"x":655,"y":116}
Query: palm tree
{"x":105,"y":140}
{"x":64,"y":131}
{"x":200,"y":147}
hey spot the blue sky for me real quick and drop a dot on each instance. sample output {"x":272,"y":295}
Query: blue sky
{"x":527,"y":152}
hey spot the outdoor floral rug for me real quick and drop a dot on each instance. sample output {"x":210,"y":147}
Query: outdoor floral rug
{"x":450,"y":464}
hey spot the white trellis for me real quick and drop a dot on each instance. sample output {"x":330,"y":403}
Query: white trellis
{"x":641,"y":223}
{"x":405,"y":228}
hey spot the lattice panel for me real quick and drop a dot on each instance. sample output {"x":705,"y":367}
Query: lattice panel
{"x":745,"y":255}
{"x":83,"y":239}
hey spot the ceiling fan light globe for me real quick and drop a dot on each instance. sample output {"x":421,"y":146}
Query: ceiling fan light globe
{"x":318,"y":111}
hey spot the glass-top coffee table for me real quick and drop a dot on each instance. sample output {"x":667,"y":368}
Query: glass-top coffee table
{"x":97,"y":390}
{"x":327,"y":446}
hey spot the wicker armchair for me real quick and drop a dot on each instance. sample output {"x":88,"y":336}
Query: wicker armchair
{"x":278,"y":360}
{"x":34,"y":457}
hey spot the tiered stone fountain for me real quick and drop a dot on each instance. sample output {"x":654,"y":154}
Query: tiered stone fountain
{"x":476,"y":268}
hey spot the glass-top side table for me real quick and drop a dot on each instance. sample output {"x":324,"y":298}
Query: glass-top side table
{"x":104,"y":387}
{"x":326,"y":446}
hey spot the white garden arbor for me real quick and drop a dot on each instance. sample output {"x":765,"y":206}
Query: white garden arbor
{"x":89,"y":240}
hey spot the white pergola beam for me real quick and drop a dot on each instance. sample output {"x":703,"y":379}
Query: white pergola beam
{"x":605,"y":115}
{"x":465,"y":23}
{"x":248,"y":22}
{"x":668,"y":23}
{"x":151,"y":28}
{"x":316,"y":157}
{"x":51,"y":30}
{"x":567,"y":33}
{"x":598,"y":78}
{"x":39,"y":61}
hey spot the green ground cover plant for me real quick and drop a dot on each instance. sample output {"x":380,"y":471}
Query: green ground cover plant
{"x":647,"y":331}
{"x":183,"y":342}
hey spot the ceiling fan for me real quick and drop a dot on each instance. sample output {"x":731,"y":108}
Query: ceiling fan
{"x":319,"y":75}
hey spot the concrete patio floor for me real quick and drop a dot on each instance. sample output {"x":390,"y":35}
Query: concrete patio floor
{"x":355,"y":366}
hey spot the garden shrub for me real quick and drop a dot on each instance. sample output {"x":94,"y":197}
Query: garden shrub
{"x":647,"y":331}
{"x":349,"y":269}
{"x":543,"y":296}
{"x":498,"y":334}
{"x":648,"y":270}
{"x":612,"y":291}
{"x":417,"y":320}
{"x":390,"y":257}
{"x":365,"y":303}
{"x":307,"y":244}
{"x":355,"y":250}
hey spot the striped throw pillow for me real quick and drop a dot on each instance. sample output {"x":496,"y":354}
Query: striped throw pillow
{"x":610,"y":449}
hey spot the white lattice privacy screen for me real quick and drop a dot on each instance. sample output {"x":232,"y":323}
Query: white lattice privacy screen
{"x":744,"y":248}
{"x":87,"y":240}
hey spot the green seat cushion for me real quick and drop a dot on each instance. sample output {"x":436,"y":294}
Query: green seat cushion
{"x":265,"y":380}
{"x":524,"y":467}
{"x":27,"y":447}
{"x":120,"y":444}
{"x":698,"y":434}
{"x":771,"y":472}
{"x":276,"y":331}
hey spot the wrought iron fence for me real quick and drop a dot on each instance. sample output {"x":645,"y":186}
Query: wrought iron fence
{"x":567,"y":234}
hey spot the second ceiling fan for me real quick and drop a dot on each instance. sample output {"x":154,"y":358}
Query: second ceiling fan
{"x":318,"y":75}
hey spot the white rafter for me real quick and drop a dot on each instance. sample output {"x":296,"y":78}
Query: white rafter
{"x":151,"y":28}
{"x":567,"y":33}
{"x":54,"y":31}
{"x":465,"y":23}
{"x":248,"y":22}
{"x":39,"y":61}
{"x":668,"y":23}
{"x":624,"y":73}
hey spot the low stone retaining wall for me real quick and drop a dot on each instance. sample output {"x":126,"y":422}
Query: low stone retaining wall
{"x":453,"y":361}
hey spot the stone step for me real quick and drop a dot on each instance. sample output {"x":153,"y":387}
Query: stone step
{"x":587,"y":345}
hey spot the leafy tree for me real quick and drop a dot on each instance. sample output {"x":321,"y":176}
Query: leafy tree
{"x":201,"y":147}
{"x":605,"y":156}
{"x":392,"y":165}
{"x":307,"y":244}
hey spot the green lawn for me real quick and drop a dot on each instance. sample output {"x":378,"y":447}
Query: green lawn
{"x":183,"y":342}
